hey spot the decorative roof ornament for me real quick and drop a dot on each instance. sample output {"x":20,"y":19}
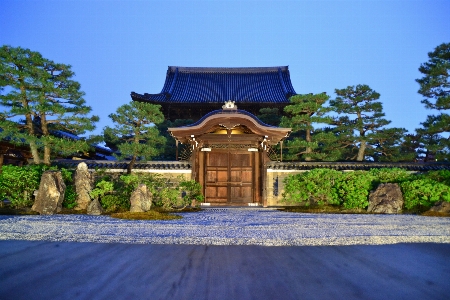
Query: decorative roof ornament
{"x":229,"y":105}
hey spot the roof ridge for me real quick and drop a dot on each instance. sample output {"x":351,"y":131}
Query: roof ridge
{"x":227,"y":69}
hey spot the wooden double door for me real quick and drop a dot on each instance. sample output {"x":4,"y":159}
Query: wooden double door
{"x":230,"y":177}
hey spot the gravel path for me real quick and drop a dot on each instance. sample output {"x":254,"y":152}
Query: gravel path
{"x":232,"y":226}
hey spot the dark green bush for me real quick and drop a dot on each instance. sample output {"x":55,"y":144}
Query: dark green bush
{"x":113,"y":203}
{"x":192,"y":190}
{"x":17,"y":184}
{"x":391,"y":175}
{"x":312,"y":187}
{"x":424,"y":193}
{"x":442,"y":176}
{"x":353,"y":189}
{"x":70,"y":197}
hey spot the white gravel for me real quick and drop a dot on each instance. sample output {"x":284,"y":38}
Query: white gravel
{"x":232,"y":226}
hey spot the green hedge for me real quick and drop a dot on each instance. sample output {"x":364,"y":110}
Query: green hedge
{"x":17,"y":184}
{"x":351,"y":189}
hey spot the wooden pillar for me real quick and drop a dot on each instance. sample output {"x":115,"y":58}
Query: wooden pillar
{"x":201,"y":170}
{"x":264,"y":177}
{"x":281,"y":142}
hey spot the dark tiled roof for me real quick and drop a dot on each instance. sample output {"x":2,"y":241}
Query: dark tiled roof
{"x":419,"y":167}
{"x":224,"y":111}
{"x":122,"y":165}
{"x":217,"y":85}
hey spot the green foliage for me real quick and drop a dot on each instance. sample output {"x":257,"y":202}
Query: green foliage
{"x":101,"y":188}
{"x":270,"y":116}
{"x":135,"y":134}
{"x":169,"y":198}
{"x":435,"y":87}
{"x":70,"y":194}
{"x":70,"y":197}
{"x":393,"y":145}
{"x":313,"y":187}
{"x":326,"y":186}
{"x":115,"y":192}
{"x":442,"y":176}
{"x":362,"y":114}
{"x":193,"y":192}
{"x":17,"y":184}
{"x":424,"y":193}
{"x":169,"y":149}
{"x":115,"y":202}
{"x":44,"y":94}
{"x":391,"y":175}
{"x":303,"y":112}
{"x":353,"y":189}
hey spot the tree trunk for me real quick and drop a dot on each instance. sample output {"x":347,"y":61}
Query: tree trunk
{"x":131,"y":164}
{"x":33,"y":146}
{"x":29,"y":125}
{"x":45,"y":133}
{"x":362,"y":149}
{"x":308,"y":150}
{"x":1,"y":162}
{"x":35,"y":153}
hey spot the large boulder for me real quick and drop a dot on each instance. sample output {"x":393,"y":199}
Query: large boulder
{"x":141,"y":199}
{"x":441,"y":207}
{"x":83,"y":186}
{"x":386,"y":199}
{"x":50,"y":195}
{"x":94,"y":208}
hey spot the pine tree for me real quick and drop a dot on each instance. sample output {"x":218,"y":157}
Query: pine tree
{"x":20,"y":70}
{"x":135,"y":134}
{"x":270,"y":116}
{"x":393,"y":145}
{"x":44,"y":93}
{"x":301,"y":115}
{"x":363,"y":115}
{"x":435,"y":87}
{"x":60,"y":106}
{"x":169,"y":152}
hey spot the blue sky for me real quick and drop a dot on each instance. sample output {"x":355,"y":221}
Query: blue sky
{"x":116,"y":47}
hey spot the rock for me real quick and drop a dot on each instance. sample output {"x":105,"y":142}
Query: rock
{"x":50,"y":195}
{"x":83,"y":186}
{"x":95,"y":208}
{"x":141,"y":199}
{"x":441,"y":207}
{"x":386,"y":199}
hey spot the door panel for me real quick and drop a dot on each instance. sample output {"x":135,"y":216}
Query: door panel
{"x":229,"y":178}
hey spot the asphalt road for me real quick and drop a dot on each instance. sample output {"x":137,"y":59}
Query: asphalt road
{"x":73,"y":270}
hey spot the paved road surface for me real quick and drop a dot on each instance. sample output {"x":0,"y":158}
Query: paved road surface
{"x":73,"y":270}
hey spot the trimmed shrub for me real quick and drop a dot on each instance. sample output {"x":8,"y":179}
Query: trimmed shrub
{"x":424,"y":193}
{"x":442,"y":176}
{"x":70,"y":195}
{"x":353,"y":189}
{"x":17,"y":184}
{"x":313,"y":187}
{"x":192,"y":192}
{"x":113,"y":203}
{"x":390,"y":175}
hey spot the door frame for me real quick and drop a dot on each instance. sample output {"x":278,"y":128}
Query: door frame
{"x":253,"y":183}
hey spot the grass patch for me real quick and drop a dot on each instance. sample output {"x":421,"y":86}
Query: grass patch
{"x":148,"y":215}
